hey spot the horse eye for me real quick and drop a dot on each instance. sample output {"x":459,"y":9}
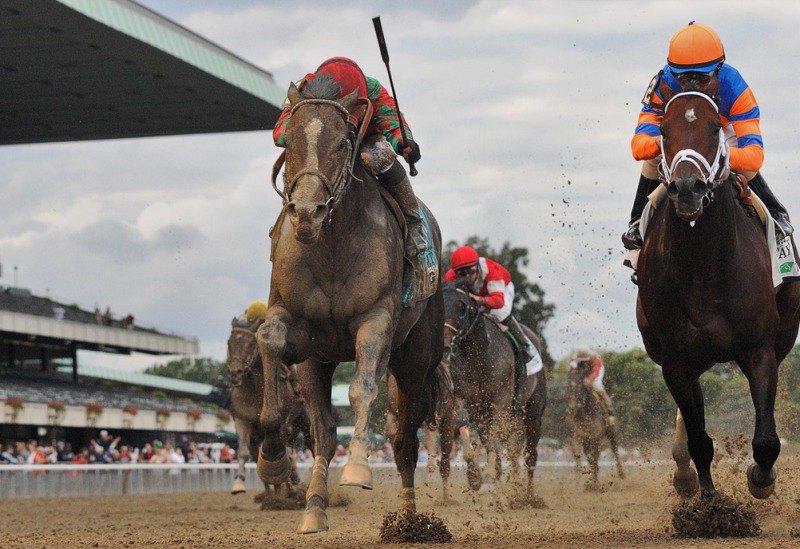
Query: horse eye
{"x":342,"y":144}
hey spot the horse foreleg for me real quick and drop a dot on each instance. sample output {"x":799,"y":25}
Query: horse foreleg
{"x":390,"y":425}
{"x":685,"y":389}
{"x":274,"y":466}
{"x":373,"y":340}
{"x":592,"y":449}
{"x":243,"y":434}
{"x":315,"y":383}
{"x":429,"y":439}
{"x":446,"y":431}
{"x":533,"y":432}
{"x":685,"y":479}
{"x":761,"y":370}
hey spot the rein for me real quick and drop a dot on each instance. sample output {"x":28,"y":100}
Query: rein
{"x":713,"y":173}
{"x":345,"y":175}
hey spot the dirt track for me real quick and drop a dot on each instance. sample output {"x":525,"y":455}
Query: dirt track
{"x":634,"y":512}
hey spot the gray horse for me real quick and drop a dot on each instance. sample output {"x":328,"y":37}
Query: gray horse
{"x":587,"y":421}
{"x":482,"y":363}
{"x":246,"y":377}
{"x":336,"y":295}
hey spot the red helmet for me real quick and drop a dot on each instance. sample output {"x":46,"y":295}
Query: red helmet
{"x":347,"y":73}
{"x":465,"y":256}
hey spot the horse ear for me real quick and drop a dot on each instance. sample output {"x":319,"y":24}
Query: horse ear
{"x":665,"y":92}
{"x":293,"y":95}
{"x":350,"y":101}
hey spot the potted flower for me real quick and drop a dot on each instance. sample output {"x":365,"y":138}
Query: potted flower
{"x":192,"y":417}
{"x":128,"y":413}
{"x":223,"y":418}
{"x":162,"y":415}
{"x":55,"y":412}
{"x":93,"y":413}
{"x":14,"y":406}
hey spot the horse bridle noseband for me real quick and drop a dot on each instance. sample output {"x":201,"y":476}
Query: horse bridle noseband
{"x":459,"y":335}
{"x":345,"y":174}
{"x":248,"y":363}
{"x":714,"y":173}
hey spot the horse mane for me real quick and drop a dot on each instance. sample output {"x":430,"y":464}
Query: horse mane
{"x":323,"y":86}
{"x":457,"y":284}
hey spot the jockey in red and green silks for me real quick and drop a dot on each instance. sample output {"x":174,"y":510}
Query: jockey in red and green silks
{"x":385,"y":122}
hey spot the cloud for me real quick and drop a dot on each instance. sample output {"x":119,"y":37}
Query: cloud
{"x":524,"y":112}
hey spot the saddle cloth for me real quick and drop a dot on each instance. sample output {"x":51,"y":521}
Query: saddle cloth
{"x":781,"y":249}
{"x":534,"y":366}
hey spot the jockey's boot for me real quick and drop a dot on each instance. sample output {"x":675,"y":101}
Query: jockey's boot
{"x":632,"y":239}
{"x":776,"y":209}
{"x":395,"y":180}
{"x":608,"y":407}
{"x":526,"y":346}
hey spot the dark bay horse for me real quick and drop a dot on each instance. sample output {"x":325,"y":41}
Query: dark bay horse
{"x":706,"y":293}
{"x":482,"y":364}
{"x":335,"y":296}
{"x":587,"y":422}
{"x":246,"y":376}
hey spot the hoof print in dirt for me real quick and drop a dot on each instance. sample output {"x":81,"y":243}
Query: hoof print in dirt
{"x":282,"y":501}
{"x":410,"y":527}
{"x":714,"y":516}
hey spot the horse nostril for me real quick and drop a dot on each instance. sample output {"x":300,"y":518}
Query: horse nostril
{"x":699,"y":186}
{"x":321,"y":210}
{"x":291,"y":209}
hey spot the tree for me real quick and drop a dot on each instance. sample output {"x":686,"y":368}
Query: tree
{"x":530,"y":306}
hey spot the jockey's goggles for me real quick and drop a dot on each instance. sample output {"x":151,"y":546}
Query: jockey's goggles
{"x":701,"y":78}
{"x":466,"y":271}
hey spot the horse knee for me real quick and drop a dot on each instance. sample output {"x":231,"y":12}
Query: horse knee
{"x":271,"y":336}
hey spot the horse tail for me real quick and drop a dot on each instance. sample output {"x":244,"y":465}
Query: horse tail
{"x":439,"y":388}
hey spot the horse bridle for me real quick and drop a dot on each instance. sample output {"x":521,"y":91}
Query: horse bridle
{"x":345,"y":174}
{"x":713,"y":173}
{"x":459,"y":335}
{"x":250,"y":361}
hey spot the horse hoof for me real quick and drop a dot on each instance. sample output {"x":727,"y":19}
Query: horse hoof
{"x":686,"y":483}
{"x":238,"y":487}
{"x":274,"y":472}
{"x":761,"y":486}
{"x":356,"y":474}
{"x":474,"y":477}
{"x":314,"y":520}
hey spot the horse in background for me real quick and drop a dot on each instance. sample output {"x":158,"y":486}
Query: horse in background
{"x":587,"y":421}
{"x":706,"y":293}
{"x":482,"y":363}
{"x":246,"y":376}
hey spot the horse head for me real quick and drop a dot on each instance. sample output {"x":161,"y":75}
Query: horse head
{"x":577,"y":393}
{"x":320,"y":152}
{"x":460,"y":314}
{"x":242,"y":349}
{"x":694,"y":155}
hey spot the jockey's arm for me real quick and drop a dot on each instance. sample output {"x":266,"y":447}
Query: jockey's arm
{"x":645,"y":144}
{"x":384,"y":116}
{"x":597,"y":365}
{"x":283,"y":120}
{"x":495,"y":296}
{"x":748,"y":155}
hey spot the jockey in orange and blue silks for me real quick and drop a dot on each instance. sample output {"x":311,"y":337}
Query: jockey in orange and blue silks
{"x":384,"y":135}
{"x":697,"y":61}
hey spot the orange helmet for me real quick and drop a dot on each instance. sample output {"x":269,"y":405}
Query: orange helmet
{"x":695,"y":48}
{"x":465,"y":256}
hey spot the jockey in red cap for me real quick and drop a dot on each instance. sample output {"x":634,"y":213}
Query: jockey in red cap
{"x":491,"y":286}
{"x":385,"y":128}
{"x":696,"y":62}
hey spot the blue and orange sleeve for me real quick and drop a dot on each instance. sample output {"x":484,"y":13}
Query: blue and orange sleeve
{"x":644,"y":144}
{"x":748,"y":155}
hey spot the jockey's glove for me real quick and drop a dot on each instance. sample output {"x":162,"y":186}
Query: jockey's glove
{"x":411,"y":152}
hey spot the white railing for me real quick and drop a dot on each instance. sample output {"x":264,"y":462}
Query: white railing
{"x":75,"y":480}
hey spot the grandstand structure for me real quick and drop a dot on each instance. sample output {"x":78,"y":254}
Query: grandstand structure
{"x":105,"y":69}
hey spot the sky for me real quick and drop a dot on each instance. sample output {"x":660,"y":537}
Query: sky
{"x":523,"y":111}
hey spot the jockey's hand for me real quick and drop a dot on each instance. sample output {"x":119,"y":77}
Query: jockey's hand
{"x":587,"y":382}
{"x":480,"y":300}
{"x":411,"y":152}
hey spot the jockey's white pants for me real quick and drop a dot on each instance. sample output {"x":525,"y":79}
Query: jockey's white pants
{"x":502,"y":313}
{"x":597,"y":383}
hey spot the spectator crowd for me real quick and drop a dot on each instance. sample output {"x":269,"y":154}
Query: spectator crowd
{"x":108,"y":449}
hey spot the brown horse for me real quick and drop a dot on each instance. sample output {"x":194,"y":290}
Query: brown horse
{"x":336,"y":296}
{"x":246,"y":376}
{"x":706,"y":293}
{"x":587,"y":422}
{"x":482,"y":363}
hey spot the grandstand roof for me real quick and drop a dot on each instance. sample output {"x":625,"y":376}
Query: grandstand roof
{"x":143,"y":380}
{"x":32,"y":317}
{"x":100,"y":69}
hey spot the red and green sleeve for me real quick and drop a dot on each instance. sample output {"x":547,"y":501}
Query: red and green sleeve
{"x":384,"y":117}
